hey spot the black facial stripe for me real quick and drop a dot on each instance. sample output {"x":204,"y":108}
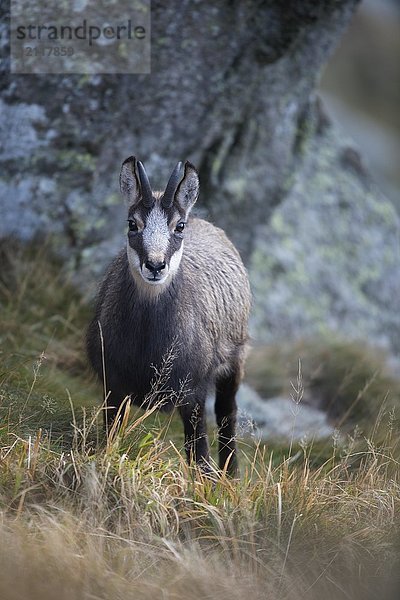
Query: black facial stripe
{"x":174,"y":245}
{"x":136,"y":243}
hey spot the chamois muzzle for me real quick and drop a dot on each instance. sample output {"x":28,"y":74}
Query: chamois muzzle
{"x":155,"y":268}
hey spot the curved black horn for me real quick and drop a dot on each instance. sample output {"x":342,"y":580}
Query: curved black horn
{"x":172,"y":184}
{"x":147,"y":195}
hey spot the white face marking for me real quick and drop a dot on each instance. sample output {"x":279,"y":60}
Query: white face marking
{"x":156,"y":234}
{"x":133,"y":260}
{"x":175,"y":260}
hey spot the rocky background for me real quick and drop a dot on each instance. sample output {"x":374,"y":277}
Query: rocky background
{"x":233,"y":89}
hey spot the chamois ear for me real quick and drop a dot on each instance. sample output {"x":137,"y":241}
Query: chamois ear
{"x":128,"y":181}
{"x":188,"y":189}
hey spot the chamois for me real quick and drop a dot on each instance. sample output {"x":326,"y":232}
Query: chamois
{"x":180,"y":282}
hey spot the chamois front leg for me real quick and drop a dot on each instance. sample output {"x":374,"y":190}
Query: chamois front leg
{"x":225,"y":411}
{"x":194,"y":422}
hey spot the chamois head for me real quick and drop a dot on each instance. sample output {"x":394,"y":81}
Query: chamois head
{"x":156,"y":222}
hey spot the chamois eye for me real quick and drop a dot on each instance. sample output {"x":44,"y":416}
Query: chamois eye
{"x":132,"y":225}
{"x":180,"y":227}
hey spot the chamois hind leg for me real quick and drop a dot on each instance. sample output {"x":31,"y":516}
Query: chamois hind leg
{"x":193,"y":415}
{"x":111,"y":407}
{"x":225,"y":412}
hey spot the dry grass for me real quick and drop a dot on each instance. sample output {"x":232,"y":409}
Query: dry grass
{"x":132,"y":520}
{"x":84,"y":519}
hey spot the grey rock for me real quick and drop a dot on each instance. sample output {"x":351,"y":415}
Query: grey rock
{"x":329,"y":258}
{"x":279,"y":419}
{"x":229,"y":90}
{"x":19,"y":130}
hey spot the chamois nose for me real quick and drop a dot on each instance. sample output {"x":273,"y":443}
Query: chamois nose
{"x":155,"y":267}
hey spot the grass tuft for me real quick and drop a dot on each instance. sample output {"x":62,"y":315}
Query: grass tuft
{"x":85,"y":519}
